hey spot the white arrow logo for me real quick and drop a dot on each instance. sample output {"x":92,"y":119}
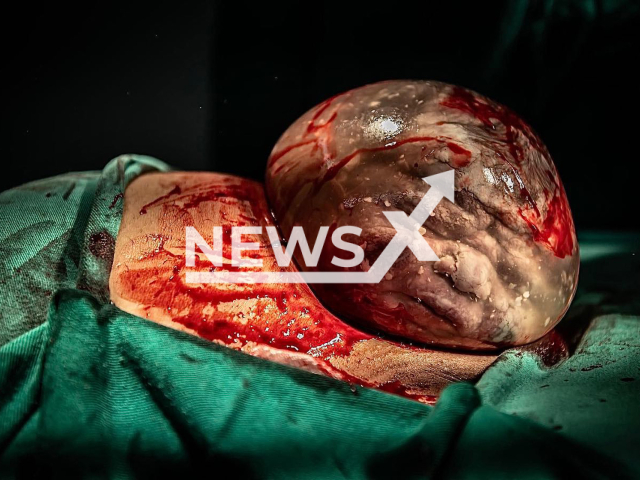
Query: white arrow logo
{"x":407,"y":236}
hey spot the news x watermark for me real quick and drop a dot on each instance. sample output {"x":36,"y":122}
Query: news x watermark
{"x":407,"y":236}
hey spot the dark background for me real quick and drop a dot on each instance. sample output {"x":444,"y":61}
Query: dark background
{"x":211,"y":86}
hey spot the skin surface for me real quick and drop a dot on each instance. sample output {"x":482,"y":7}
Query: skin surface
{"x":509,"y":260}
{"x":282,"y":323}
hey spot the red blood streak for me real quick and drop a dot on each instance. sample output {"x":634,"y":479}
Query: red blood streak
{"x":313,"y":126}
{"x":115,"y":200}
{"x":228,"y":194}
{"x":278,"y":155}
{"x":555,"y":231}
{"x":462,"y":156}
{"x":333,"y":170}
{"x":457,"y":149}
{"x":487,"y":111}
{"x":174,"y":191}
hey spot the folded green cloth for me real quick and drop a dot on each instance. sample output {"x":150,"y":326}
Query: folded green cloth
{"x":89,"y":390}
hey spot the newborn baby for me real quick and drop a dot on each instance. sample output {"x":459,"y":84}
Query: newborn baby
{"x":508,"y":255}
